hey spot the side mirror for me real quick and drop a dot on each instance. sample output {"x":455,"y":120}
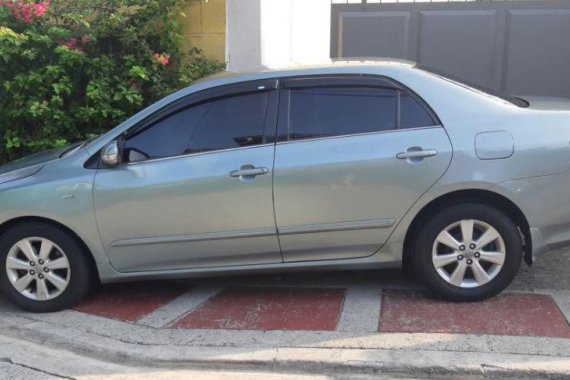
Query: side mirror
{"x":110,"y":154}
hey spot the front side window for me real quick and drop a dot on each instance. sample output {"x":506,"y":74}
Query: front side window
{"x":223,"y":123}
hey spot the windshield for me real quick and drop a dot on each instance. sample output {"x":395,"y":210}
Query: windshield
{"x":519,"y":102}
{"x":72,"y":148}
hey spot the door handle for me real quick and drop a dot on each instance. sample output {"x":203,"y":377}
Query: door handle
{"x":248,"y":171}
{"x":416,"y":154}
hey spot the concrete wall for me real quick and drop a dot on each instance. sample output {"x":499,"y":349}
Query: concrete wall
{"x":205,"y":27}
{"x":277,"y":33}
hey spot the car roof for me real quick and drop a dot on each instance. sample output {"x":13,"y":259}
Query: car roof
{"x":295,"y":70}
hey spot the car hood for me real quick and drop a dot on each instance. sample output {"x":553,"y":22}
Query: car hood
{"x":32,"y":160}
{"x":547,"y":103}
{"x":30,"y":165}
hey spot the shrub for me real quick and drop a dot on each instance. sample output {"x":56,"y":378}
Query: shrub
{"x":70,"y":69}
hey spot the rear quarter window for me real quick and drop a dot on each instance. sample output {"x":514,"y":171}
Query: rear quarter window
{"x":413,"y":114}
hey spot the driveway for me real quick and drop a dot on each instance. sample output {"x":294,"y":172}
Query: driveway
{"x":341,"y":322}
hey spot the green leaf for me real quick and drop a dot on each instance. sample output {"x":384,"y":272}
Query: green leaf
{"x":58,"y":86}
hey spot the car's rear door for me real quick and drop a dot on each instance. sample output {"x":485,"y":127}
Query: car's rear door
{"x":197,"y":188}
{"x":353,"y":154}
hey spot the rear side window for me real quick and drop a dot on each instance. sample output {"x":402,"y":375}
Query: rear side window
{"x":223,"y":123}
{"x":326,"y":111}
{"x":334,"y":111}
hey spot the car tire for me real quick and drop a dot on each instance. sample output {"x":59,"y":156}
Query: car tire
{"x":459,"y":265}
{"x":52,"y":260}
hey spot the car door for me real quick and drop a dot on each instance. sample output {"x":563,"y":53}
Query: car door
{"x":196,"y":188}
{"x":353,"y":155}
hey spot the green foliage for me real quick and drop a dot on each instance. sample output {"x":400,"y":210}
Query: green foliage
{"x":70,"y":69}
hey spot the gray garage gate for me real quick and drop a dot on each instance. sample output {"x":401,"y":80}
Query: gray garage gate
{"x":520,"y":47}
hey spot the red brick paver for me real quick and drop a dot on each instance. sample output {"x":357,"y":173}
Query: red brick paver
{"x":130,"y":302}
{"x":268,"y":309}
{"x":505,"y":314}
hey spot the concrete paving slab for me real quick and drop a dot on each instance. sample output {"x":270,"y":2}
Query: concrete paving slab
{"x":361,"y":309}
{"x":268,"y":309}
{"x":505,"y":314}
{"x":130,"y":301}
{"x":562,"y":298}
{"x":11,"y":371}
{"x":171,"y":311}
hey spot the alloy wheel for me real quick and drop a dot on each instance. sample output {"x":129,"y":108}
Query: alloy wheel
{"x":468,"y":253}
{"x":38,"y":269}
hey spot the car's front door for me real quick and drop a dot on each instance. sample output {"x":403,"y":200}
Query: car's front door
{"x":196,"y":188}
{"x":353,"y":155}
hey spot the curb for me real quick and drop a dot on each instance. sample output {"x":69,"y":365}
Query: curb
{"x":286,"y":359}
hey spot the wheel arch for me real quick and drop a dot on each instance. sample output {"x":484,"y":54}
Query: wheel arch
{"x":486,"y":197}
{"x":35,"y":219}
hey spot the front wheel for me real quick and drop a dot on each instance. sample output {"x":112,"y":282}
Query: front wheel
{"x":42,"y":267}
{"x":468,"y":252}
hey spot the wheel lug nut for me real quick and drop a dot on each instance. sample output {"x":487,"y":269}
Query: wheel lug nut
{"x":46,"y":269}
{"x":460,"y":257}
{"x":462,"y":247}
{"x":472,"y":246}
{"x":469,"y":262}
{"x":477,"y":254}
{"x":32,"y":263}
{"x":32,"y":272}
{"x":40,"y":261}
{"x":41,"y":276}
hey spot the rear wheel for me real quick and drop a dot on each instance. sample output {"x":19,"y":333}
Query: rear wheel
{"x":43,"y":268}
{"x":468,"y":252}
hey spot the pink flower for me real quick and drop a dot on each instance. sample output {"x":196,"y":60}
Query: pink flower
{"x":26,"y":12}
{"x":85,"y":39}
{"x":161,"y":59}
{"x":69,"y":43}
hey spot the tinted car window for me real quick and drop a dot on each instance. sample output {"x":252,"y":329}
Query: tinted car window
{"x":413,"y":114}
{"x":327,"y":111}
{"x":230,"y":123}
{"x":219,"y":124}
{"x":166,"y":138}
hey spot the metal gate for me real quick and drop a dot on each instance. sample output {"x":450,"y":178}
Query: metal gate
{"x":520,"y":47}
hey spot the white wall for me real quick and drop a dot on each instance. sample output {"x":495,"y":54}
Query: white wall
{"x":243,"y":34}
{"x":277,"y":33}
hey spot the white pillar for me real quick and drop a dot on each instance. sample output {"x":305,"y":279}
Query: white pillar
{"x":277,"y":33}
{"x":243,"y":34}
{"x":311,"y":31}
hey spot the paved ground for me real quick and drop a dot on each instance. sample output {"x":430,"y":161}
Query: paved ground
{"x":369,"y":322}
{"x":36,"y":362}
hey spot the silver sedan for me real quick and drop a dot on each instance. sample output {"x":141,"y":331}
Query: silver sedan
{"x":344,"y":166}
